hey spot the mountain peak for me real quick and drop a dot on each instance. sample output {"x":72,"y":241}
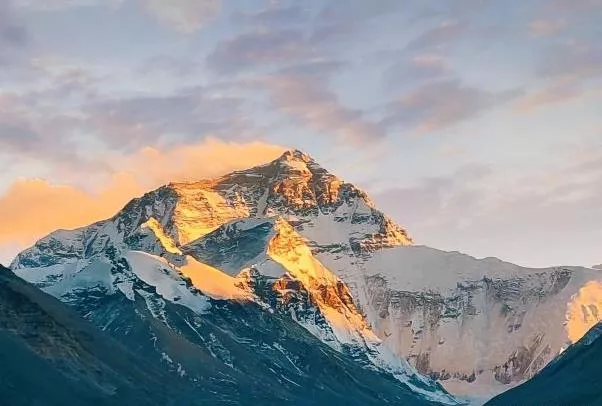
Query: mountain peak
{"x":293,"y":163}
{"x":296,"y":155}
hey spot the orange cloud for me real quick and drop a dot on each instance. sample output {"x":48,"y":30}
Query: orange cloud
{"x":153,"y":167}
{"x":32,"y":208}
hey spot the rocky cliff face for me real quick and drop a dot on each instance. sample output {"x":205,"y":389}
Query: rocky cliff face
{"x":572,"y":378}
{"x":491,"y":330}
{"x":343,"y":269}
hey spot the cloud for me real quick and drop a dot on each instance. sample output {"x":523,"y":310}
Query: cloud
{"x":575,"y":59}
{"x":599,"y":267}
{"x":568,"y":71}
{"x":436,"y":37}
{"x":558,"y":91}
{"x":32,"y":208}
{"x":259,"y":48}
{"x":40,"y":121}
{"x":275,"y":15}
{"x":186,"y":16}
{"x":296,"y":73}
{"x":351,"y":24}
{"x":58,"y":5}
{"x":574,"y":6}
{"x":13,"y":34}
{"x":23,"y":136}
{"x":437,"y":105}
{"x":179,"y":67}
{"x":411,"y":69}
{"x":544,"y":28}
{"x":303,"y":93}
{"x":185,"y":115}
{"x":210,"y":158}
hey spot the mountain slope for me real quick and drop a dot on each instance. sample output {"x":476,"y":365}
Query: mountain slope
{"x":571,"y":379}
{"x":50,"y":356}
{"x":478,"y":326}
{"x":237,"y":354}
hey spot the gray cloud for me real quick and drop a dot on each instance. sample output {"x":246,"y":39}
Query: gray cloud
{"x":574,"y":6}
{"x":334,"y":23}
{"x":276,"y":15}
{"x":302,"y":92}
{"x":567,"y":70}
{"x":186,"y":16}
{"x":553,"y":92}
{"x":446,"y":32}
{"x":13,"y":34}
{"x":58,"y":5}
{"x":295,"y":65}
{"x":413,"y":69}
{"x":436,"y":105}
{"x":40,"y":138}
{"x":15,"y":137}
{"x":178,"y":67}
{"x":259,"y":48}
{"x":577,"y":59}
{"x":599,"y":267}
{"x":192,"y":113}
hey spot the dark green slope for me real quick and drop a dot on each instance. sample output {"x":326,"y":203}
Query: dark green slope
{"x":50,"y":356}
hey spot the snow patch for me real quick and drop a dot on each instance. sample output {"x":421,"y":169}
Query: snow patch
{"x":156,"y":272}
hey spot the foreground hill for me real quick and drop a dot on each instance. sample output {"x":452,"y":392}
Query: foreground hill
{"x":50,"y":356}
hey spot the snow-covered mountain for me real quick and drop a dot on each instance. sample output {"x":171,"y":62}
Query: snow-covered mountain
{"x":296,"y":240}
{"x":235,"y":354}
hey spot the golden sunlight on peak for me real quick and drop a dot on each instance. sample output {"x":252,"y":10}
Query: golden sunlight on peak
{"x":166,"y":241}
{"x":584,"y":311}
{"x":289,"y":249}
{"x":32,"y":208}
{"x":213,"y":282}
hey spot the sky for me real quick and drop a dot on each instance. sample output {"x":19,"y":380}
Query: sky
{"x":476,"y":124}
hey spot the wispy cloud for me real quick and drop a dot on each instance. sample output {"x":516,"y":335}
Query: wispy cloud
{"x":438,"y":36}
{"x":13,"y":34}
{"x":553,"y":92}
{"x":576,"y":59}
{"x":186,"y":16}
{"x":259,"y":49}
{"x":437,"y":105}
{"x":304,"y":95}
